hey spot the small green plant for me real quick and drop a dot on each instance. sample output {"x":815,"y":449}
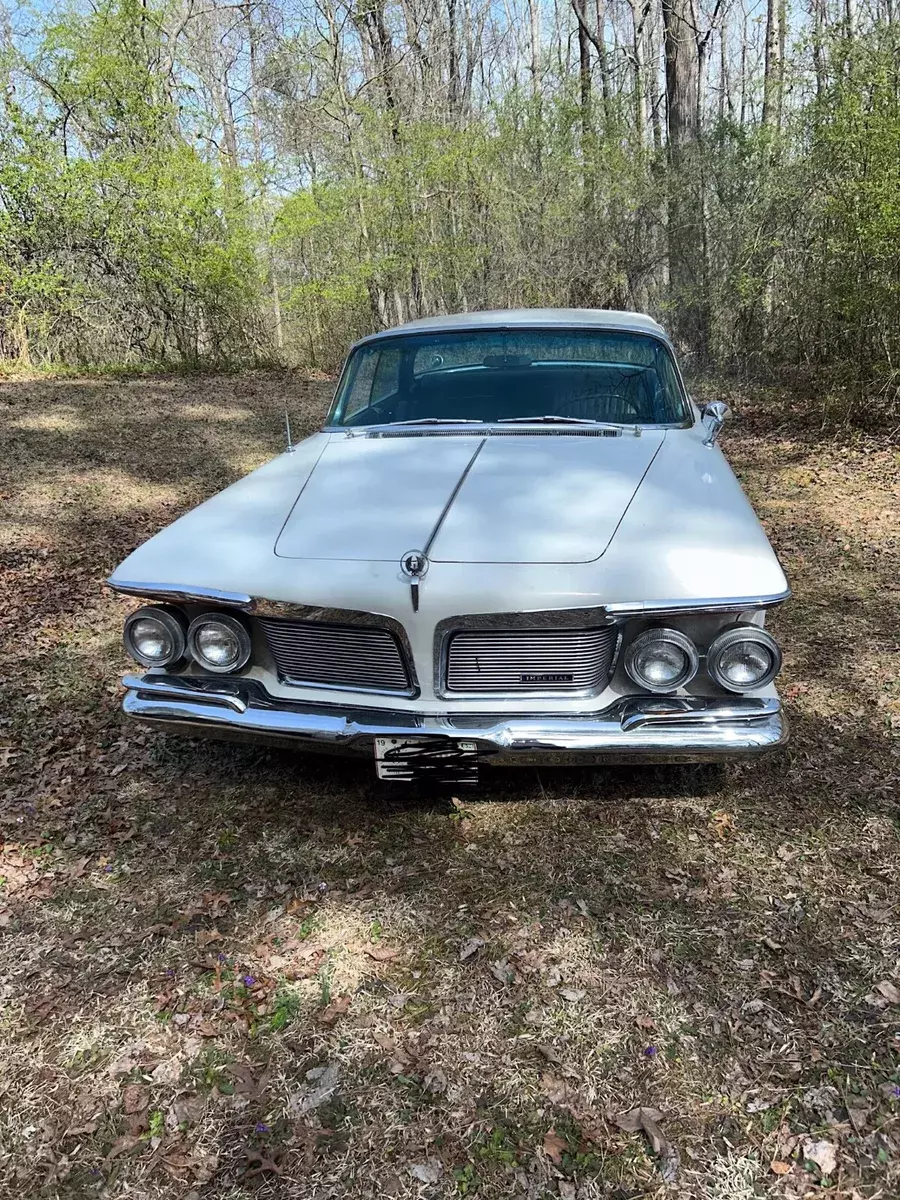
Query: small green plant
{"x":285,"y":1008}
{"x":466,"y":1180}
{"x":157,"y":1123}
{"x":326,"y":980}
{"x":306,"y":927}
{"x":498,"y":1148}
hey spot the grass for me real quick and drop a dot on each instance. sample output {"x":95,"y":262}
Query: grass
{"x":188,"y":1005}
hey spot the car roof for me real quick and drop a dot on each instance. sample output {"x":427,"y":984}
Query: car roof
{"x":526,"y":318}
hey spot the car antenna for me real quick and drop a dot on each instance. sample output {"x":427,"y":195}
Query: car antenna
{"x":287,"y":432}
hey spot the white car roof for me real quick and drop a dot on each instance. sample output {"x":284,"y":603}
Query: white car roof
{"x":528,"y":318}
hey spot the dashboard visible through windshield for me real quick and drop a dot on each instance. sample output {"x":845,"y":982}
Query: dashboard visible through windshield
{"x":498,"y":375}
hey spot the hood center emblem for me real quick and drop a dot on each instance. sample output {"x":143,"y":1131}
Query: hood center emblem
{"x":414,"y":565}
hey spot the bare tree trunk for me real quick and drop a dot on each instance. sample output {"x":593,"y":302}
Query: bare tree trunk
{"x":637,"y":50}
{"x":685,"y":202}
{"x":534,"y":12}
{"x":272,"y":278}
{"x":656,"y":96}
{"x":772,"y":77}
{"x":818,"y":45}
{"x":454,"y":87}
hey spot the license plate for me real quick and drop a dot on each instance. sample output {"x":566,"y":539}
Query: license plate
{"x":436,"y":760}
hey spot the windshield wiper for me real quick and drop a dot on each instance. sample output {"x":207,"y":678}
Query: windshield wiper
{"x":439,"y":421}
{"x":556,"y":419}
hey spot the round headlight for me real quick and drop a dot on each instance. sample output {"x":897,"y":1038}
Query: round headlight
{"x":219,"y":643}
{"x":155,"y":637}
{"x":661,"y":660}
{"x":743,"y":658}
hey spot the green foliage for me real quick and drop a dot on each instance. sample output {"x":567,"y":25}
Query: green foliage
{"x":110,"y":221}
{"x":144,"y":217}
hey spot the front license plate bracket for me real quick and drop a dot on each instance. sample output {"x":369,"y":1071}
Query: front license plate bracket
{"x":438,"y":761}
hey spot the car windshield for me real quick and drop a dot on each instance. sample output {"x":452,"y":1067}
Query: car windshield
{"x":496,"y":375}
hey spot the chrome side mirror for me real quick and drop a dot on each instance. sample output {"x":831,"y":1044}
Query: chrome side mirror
{"x":714,"y":415}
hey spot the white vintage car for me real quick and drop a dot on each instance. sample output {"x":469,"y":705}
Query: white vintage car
{"x":513,"y":540}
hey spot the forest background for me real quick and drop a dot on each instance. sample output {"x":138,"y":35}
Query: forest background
{"x":216,"y":183}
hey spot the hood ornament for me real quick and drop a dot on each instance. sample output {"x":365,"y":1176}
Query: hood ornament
{"x":414,"y":565}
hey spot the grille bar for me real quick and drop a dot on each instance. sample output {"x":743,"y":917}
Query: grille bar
{"x":530,"y":660}
{"x":362,"y":658}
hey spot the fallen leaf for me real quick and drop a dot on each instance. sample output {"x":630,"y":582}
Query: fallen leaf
{"x":335,"y":1009}
{"x":472,"y":946}
{"x":382,"y":953}
{"x":135,"y":1099}
{"x":166,"y":1073}
{"x":188,"y":1109}
{"x":87,"y":1127}
{"x":259,"y":1164}
{"x":502,"y":971}
{"x":555,"y":1089}
{"x":435,"y":1081}
{"x":646,"y":1120}
{"x":548,"y":1052}
{"x":858,"y":1117}
{"x":823,"y":1154}
{"x":324,"y":1087}
{"x":216,"y":902}
{"x":247,"y":1083}
{"x":554,"y":1146}
{"x":721,"y":824}
{"x":204,"y":937}
{"x":427,"y":1172}
{"x":122,"y":1145}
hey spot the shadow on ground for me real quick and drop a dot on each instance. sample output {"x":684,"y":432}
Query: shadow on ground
{"x":233,"y":971}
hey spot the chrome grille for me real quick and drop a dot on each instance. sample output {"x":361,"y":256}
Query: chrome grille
{"x":530,"y":660}
{"x":363,"y":658}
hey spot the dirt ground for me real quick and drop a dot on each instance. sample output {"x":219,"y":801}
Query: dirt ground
{"x":227,"y":972}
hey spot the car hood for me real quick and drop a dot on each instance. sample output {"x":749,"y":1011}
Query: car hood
{"x":686,"y":534}
{"x":554,"y":496}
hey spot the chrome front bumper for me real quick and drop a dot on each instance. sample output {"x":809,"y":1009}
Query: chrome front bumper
{"x":647,"y":729}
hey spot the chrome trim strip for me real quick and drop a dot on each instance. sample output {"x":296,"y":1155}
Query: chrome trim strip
{"x":555,"y":616}
{"x":452,"y":497}
{"x":695,"y":729}
{"x":676,"y":710}
{"x":647,"y":608}
{"x":214,"y":691}
{"x":186,"y":593}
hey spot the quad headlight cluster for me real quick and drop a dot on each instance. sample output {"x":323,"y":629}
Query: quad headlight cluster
{"x":741,"y":659}
{"x":161,"y":637}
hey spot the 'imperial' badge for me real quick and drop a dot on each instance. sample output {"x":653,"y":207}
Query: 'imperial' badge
{"x":414,"y":565}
